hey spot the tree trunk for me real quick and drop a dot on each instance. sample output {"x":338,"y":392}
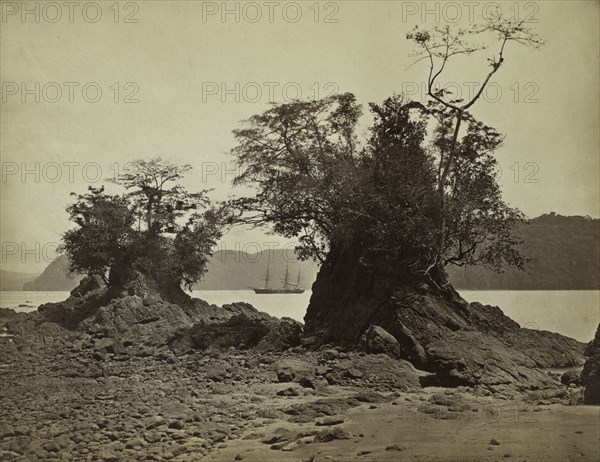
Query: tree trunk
{"x":342,"y":282}
{"x":445,"y":171}
{"x":352,"y":291}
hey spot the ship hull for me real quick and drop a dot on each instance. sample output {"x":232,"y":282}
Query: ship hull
{"x":278,"y":291}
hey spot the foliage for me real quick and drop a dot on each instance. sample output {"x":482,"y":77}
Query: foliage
{"x":156,"y":227}
{"x":303,"y":159}
{"x":103,"y":235}
{"x":320,"y":184}
{"x":397,"y":189}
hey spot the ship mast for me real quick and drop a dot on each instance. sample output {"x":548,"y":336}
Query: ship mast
{"x":286,"y":282}
{"x":267,"y":278}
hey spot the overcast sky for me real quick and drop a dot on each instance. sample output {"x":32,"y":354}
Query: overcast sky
{"x":186,"y":65}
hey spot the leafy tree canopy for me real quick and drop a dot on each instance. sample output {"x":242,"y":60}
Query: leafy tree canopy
{"x":317,"y":181}
{"x":156,"y":227}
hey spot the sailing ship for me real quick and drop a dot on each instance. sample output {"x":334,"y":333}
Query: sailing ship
{"x":288,"y":287}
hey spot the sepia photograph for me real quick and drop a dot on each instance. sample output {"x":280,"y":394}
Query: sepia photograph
{"x":300,"y":231}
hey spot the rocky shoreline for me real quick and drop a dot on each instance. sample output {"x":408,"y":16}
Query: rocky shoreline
{"x":136,"y":378}
{"x":67,"y":400}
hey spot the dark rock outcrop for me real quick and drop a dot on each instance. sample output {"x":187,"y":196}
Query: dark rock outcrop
{"x":283,"y":334}
{"x":86,"y":285}
{"x":590,"y":375}
{"x":438,"y":331}
{"x":142,"y":313}
{"x":135,"y":314}
{"x":249,"y":328}
{"x":237,"y":331}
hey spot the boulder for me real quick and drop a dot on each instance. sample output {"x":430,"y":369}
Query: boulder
{"x":245,"y":328}
{"x":572,"y":377}
{"x":237,"y":331}
{"x":294,"y":370}
{"x":473,"y":358}
{"x":181,"y":343}
{"x":88,"y":285}
{"x":282,"y":335}
{"x":109,"y":345}
{"x":378,"y":340}
{"x":381,"y":371}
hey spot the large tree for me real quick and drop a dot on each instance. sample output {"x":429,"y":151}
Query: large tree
{"x":418,"y":194}
{"x":156,"y":228}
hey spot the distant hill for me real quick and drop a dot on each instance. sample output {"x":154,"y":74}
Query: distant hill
{"x":235,"y":270}
{"x":56,"y":276}
{"x":227,"y":270}
{"x":565,"y":253}
{"x":10,"y":280}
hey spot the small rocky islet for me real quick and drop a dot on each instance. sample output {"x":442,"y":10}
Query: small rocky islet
{"x":130,"y":376}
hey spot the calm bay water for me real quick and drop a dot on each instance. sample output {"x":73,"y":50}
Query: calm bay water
{"x":572,"y":313}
